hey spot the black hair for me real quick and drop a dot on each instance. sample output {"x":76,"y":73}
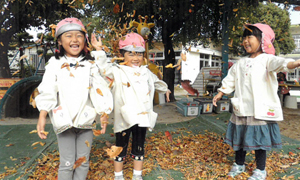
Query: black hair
{"x":61,"y":51}
{"x":122,"y":52}
{"x":252,"y":30}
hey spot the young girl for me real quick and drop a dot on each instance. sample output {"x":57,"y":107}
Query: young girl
{"x":133,"y":91}
{"x":256,"y":105}
{"x":72,"y":92}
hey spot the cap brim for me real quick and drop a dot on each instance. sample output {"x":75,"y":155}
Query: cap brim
{"x":68,"y":27}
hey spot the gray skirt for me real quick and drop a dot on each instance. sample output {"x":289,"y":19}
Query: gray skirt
{"x":248,"y":133}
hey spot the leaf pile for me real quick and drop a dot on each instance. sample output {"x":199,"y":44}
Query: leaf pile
{"x":197,"y":156}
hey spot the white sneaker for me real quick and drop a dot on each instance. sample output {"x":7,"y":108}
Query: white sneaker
{"x":236,"y":170}
{"x":137,"y":177}
{"x":258,"y":175}
{"x":119,"y":177}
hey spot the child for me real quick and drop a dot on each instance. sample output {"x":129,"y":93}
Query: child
{"x":72,"y":92}
{"x":256,"y":105}
{"x":133,"y":92}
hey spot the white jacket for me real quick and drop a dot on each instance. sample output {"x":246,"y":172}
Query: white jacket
{"x":263,"y":86}
{"x":126,"y":95}
{"x":69,"y":94}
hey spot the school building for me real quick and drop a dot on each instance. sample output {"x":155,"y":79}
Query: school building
{"x":295,"y":31}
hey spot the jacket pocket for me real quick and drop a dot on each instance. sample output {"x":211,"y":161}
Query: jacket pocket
{"x":87,"y":116}
{"x":270,"y":111}
{"x":60,"y":119}
{"x":236,"y":106}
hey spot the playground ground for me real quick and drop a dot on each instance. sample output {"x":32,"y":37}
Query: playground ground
{"x":19,"y":158}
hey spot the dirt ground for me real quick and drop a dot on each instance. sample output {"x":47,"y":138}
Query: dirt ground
{"x":290,"y":126}
{"x":167,"y":114}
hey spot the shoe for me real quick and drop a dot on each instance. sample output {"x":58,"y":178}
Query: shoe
{"x":119,"y":177}
{"x":137,"y":177}
{"x":236,"y":170}
{"x":258,"y":175}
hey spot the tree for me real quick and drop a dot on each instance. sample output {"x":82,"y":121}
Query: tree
{"x":176,"y":21}
{"x":19,"y":15}
{"x":269,"y":14}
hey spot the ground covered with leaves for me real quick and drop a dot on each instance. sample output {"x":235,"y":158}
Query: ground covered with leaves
{"x":194,"y":155}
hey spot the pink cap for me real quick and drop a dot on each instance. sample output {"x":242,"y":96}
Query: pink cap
{"x":68,"y":24}
{"x":268,"y":37}
{"x":132,"y":42}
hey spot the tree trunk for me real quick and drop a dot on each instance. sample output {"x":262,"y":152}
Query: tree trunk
{"x":22,"y":71}
{"x":4,"y":66}
{"x":168,"y":73}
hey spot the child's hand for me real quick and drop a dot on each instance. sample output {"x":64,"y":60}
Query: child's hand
{"x":297,"y":63}
{"x":168,"y":95}
{"x":217,"y":98}
{"x":97,"y":44}
{"x":104,"y":122}
{"x":40,"y":127}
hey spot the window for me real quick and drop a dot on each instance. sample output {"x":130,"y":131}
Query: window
{"x":297,"y":42}
{"x":160,"y":54}
{"x":201,"y":64}
{"x":206,"y":64}
{"x":151,"y":55}
{"x":177,"y":53}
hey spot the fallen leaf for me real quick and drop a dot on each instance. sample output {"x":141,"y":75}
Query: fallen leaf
{"x":169,"y":136}
{"x":79,"y":162}
{"x":114,"y":151}
{"x":87,"y":143}
{"x":99,"y":91}
{"x":96,"y":132}
{"x":35,"y":143}
{"x":45,"y":133}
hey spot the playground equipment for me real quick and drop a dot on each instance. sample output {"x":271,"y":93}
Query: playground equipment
{"x":15,"y":101}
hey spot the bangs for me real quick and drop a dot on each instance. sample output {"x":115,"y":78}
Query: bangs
{"x":252,"y":30}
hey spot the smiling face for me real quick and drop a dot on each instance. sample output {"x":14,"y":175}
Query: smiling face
{"x":134,"y":59}
{"x":73,"y":43}
{"x":252,"y":41}
{"x":251,"y":44}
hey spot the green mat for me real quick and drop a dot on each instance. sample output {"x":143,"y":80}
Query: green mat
{"x":16,"y":148}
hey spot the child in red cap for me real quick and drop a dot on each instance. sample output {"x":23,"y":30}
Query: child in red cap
{"x":256,"y":105}
{"x":133,"y":89}
{"x":69,"y":93}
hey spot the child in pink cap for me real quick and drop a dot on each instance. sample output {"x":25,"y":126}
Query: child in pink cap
{"x":72,"y":92}
{"x":256,"y":105}
{"x":133,"y":89}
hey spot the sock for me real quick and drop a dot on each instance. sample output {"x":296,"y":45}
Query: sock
{"x":119,"y":173}
{"x":135,"y":172}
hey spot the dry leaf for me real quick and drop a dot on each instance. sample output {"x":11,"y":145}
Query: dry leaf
{"x":87,"y":143}
{"x":33,"y":131}
{"x":169,"y":136}
{"x":96,"y":132}
{"x":16,"y":72}
{"x":23,"y":57}
{"x":124,"y":63}
{"x":114,"y":151}
{"x":99,"y":91}
{"x":35,"y":143}
{"x":13,"y":159}
{"x":143,"y":113}
{"x":45,"y":133}
{"x":169,"y":65}
{"x":79,"y":162}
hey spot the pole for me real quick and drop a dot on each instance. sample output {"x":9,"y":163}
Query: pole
{"x":225,"y":37}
